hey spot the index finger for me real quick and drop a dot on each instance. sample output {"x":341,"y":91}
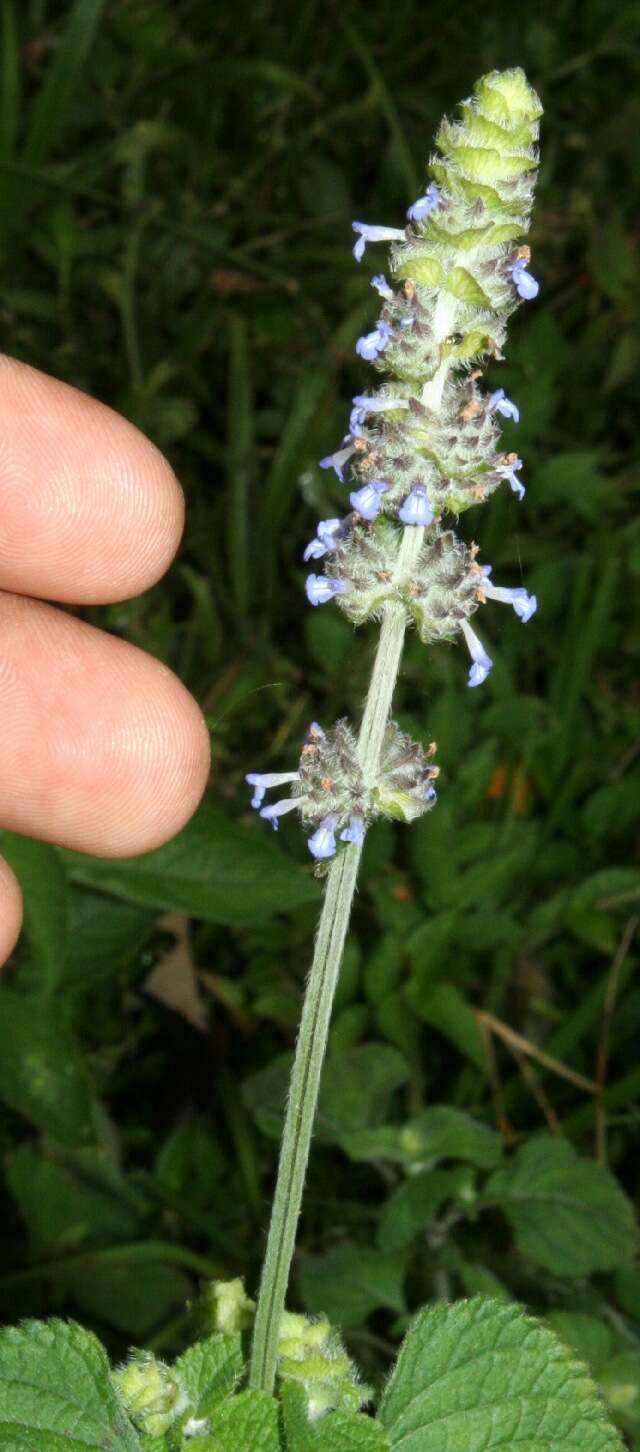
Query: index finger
{"x":90,"y":510}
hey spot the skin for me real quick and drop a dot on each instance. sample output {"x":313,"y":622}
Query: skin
{"x":103,"y":749}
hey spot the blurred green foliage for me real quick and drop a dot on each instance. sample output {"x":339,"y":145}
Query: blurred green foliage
{"x":178,"y":182}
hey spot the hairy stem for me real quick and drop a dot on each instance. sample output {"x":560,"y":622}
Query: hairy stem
{"x":318,"y":1003}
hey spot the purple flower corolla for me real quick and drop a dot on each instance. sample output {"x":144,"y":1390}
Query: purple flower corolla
{"x":367,"y":500}
{"x":481,"y":663}
{"x":279,"y":809}
{"x":339,"y":460}
{"x":426,"y":204}
{"x":372,"y":344}
{"x":499,"y":403}
{"x":261,"y":781}
{"x":415,"y":509}
{"x":324,"y":541}
{"x":374,"y":234}
{"x":508,"y":471}
{"x":525,"y":285}
{"x":354,"y":832}
{"x":323,"y":842}
{"x":319,"y":589}
{"x":430,"y":794}
{"x":382,"y":286}
{"x":364,"y":403}
{"x":525,"y":605}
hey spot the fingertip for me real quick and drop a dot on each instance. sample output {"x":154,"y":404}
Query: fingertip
{"x":10,"y":910}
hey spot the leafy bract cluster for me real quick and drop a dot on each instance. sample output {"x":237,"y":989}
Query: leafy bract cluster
{"x":478,"y":1375}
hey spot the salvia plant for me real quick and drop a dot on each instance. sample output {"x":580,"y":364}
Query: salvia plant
{"x":422,"y":448}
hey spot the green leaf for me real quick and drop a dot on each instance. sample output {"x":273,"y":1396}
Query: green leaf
{"x":446,"y":1010}
{"x":588,"y":1338}
{"x":66,"y":1206}
{"x":337,"y":1432}
{"x":209,"y":1370}
{"x":213,"y":869}
{"x":568,"y":1214}
{"x":50,"y":109}
{"x":413,"y":1204}
{"x":56,"y":1391}
{"x":356,"y":1087}
{"x":480,"y":1376}
{"x":245,"y":1423}
{"x":347,"y":1283}
{"x":439,"y":1133}
{"x":41,"y":1076}
{"x":42,"y":878}
{"x":619,"y":1381}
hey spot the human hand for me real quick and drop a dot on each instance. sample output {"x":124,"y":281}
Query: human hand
{"x":103,"y":750}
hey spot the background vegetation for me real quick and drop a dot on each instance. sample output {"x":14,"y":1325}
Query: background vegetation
{"x":178,"y":182}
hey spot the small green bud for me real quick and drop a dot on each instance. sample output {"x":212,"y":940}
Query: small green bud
{"x":230,"y":1309}
{"x":150,"y":1393}
{"x":311,"y":1354}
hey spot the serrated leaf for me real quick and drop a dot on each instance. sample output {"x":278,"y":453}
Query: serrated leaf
{"x":337,"y":1432}
{"x":41,"y":1075}
{"x":568,"y":1214}
{"x":347,"y":1283}
{"x":245,"y":1423}
{"x":480,"y":1376}
{"x":213,"y":870}
{"x":209,"y":1370}
{"x":56,"y":1391}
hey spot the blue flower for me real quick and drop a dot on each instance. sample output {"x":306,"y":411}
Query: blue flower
{"x":524,"y":605}
{"x":374,"y":234}
{"x":481,"y":662}
{"x":415,"y":509}
{"x":426,"y":204}
{"x":323,"y":842}
{"x":367,"y":500}
{"x":319,"y":589}
{"x":430,"y":794}
{"x":261,"y":781}
{"x":325,"y":541}
{"x":526,"y":286}
{"x":313,"y":733}
{"x":339,"y":460}
{"x":382,"y":286}
{"x":508,"y":471}
{"x":279,"y":809}
{"x":354,"y":832}
{"x":365,"y":403}
{"x":499,"y":403}
{"x":372,"y":344}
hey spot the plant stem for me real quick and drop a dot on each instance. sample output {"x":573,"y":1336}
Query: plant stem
{"x":318,"y":1003}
